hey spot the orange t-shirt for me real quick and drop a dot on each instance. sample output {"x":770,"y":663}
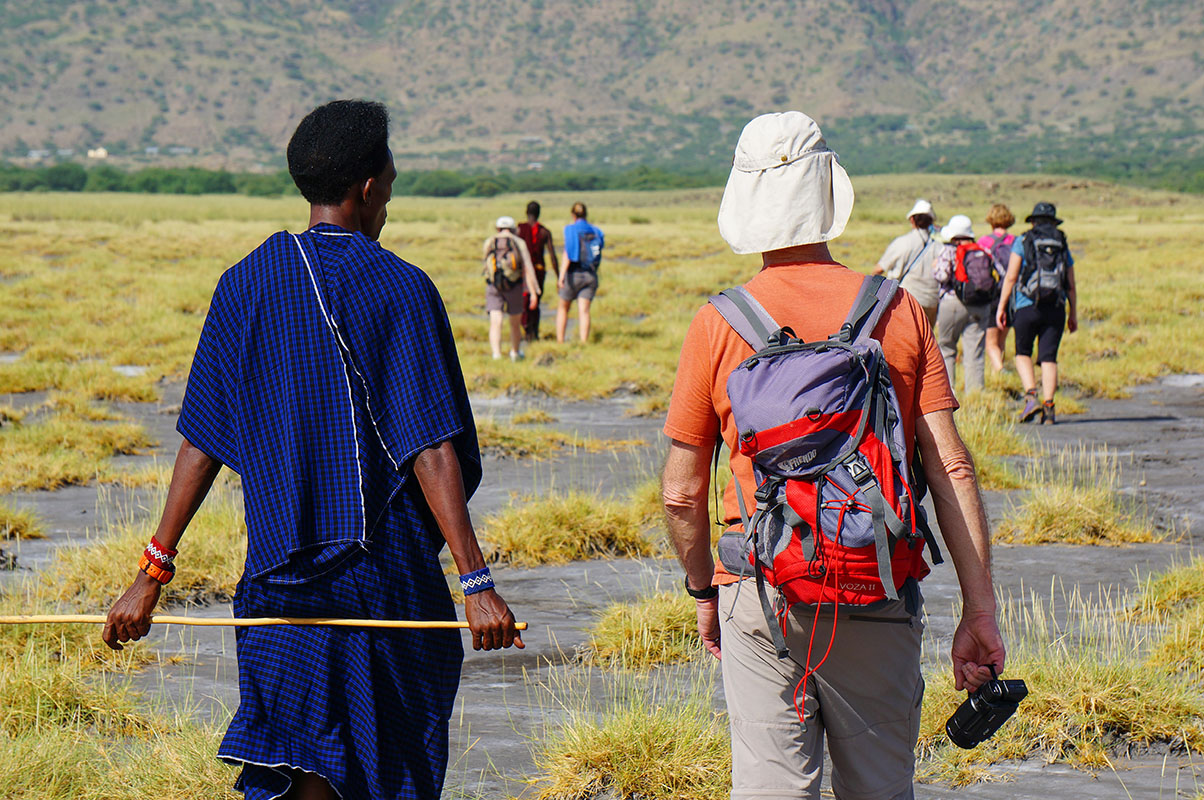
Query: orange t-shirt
{"x":813,"y":300}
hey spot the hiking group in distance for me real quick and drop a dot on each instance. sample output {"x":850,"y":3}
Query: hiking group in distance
{"x":976,"y":290}
{"x":516,"y":265}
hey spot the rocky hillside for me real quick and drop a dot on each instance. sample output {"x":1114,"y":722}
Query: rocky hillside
{"x":509,"y":83}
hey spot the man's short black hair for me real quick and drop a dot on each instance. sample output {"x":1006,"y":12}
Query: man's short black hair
{"x":337,"y":146}
{"x":533,"y":209}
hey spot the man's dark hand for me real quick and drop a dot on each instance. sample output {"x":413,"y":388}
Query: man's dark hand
{"x":129,"y":618}
{"x":491,"y":621}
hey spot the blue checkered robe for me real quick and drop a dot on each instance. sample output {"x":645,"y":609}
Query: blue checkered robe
{"x":326,"y":364}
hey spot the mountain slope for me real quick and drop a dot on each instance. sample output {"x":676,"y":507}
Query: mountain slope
{"x":507,"y":83}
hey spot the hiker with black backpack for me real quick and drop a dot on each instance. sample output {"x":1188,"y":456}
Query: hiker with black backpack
{"x":1041,"y":271}
{"x":999,"y":244}
{"x":578,"y":280}
{"x":824,"y":385}
{"x":510,"y":286}
{"x":969,"y":285}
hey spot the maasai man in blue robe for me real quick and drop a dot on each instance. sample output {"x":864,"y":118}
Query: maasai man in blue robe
{"x":327,"y":377}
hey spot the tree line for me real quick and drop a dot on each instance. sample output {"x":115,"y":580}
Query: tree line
{"x":73,"y":177}
{"x":1178,"y":171}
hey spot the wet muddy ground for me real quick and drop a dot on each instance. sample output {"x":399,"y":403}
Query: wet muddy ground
{"x":501,"y":711}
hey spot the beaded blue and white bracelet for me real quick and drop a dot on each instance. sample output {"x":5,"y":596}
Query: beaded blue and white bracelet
{"x":476,"y":581}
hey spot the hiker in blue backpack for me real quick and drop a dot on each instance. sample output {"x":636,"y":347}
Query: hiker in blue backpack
{"x":579,"y":279}
{"x":1041,"y":272}
{"x":823,"y":384}
{"x":999,"y":244}
{"x":969,"y":285}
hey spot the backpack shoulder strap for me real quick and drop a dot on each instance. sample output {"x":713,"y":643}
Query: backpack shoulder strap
{"x":869,"y":306}
{"x":746,"y":316}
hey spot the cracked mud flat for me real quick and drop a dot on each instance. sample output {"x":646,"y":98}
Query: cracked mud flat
{"x":500,"y":713}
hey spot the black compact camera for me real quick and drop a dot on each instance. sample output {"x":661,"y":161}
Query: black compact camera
{"x":977,"y":719}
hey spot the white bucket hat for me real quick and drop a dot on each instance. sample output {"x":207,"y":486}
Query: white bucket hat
{"x":959,"y":225}
{"x":505,"y":222}
{"x":786,"y":187}
{"x":921,"y":207}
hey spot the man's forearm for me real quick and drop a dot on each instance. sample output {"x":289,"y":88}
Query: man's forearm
{"x":191,"y":478}
{"x":684,"y":490}
{"x":959,"y":509}
{"x":438,"y":472}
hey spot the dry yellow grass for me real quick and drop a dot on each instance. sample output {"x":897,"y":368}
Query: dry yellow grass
{"x":659,"y":628}
{"x":1075,"y":498}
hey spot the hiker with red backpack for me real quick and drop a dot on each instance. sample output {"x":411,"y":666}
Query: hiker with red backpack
{"x":510,"y":286}
{"x":969,"y":287}
{"x":1041,"y":273}
{"x":539,"y":242}
{"x":999,"y":244}
{"x":825,"y":385}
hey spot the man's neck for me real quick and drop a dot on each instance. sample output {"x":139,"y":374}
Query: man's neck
{"x":340,"y":215}
{"x":799,"y":254}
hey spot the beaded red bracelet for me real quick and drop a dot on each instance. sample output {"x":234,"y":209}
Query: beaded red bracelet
{"x":160,"y":555}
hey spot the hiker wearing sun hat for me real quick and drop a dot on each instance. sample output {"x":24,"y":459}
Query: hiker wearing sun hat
{"x":509,"y":278}
{"x":908,"y":259}
{"x":1041,"y":271}
{"x":969,"y":284}
{"x":786,"y":197}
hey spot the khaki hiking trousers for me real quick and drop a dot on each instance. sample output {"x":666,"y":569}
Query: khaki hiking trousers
{"x":865,"y":699}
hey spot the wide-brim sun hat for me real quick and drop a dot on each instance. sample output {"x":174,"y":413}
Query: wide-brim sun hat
{"x":922,"y":207}
{"x":959,"y":226}
{"x":1044,"y":210}
{"x":786,"y":187}
{"x":505,"y":222}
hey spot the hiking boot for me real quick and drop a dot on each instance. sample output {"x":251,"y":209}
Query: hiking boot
{"x":1031,"y":406}
{"x":1047,"y":413}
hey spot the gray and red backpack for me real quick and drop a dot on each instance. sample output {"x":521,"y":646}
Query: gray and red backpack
{"x":838,"y":517}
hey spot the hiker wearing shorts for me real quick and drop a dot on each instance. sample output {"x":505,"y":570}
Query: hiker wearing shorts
{"x":786,"y":197}
{"x":957,"y":319}
{"x":326,"y":376}
{"x":1041,"y":279}
{"x":539,"y":243}
{"x":999,"y":244}
{"x":579,"y":279}
{"x":909,"y":258}
{"x":508,"y":296}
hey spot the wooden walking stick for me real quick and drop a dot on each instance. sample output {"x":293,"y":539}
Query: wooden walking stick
{"x":246,"y":622}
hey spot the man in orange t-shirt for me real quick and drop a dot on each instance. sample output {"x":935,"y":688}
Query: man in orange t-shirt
{"x":786,"y":198}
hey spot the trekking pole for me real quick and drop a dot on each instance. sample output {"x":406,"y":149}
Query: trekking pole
{"x":247,"y":622}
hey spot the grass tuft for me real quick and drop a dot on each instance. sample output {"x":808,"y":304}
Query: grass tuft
{"x":658,"y":629}
{"x":510,"y":441}
{"x":651,"y":741}
{"x":533,"y":416}
{"x":19,"y":523}
{"x":559,"y":528}
{"x":68,"y":445}
{"x":1076,"y":499}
